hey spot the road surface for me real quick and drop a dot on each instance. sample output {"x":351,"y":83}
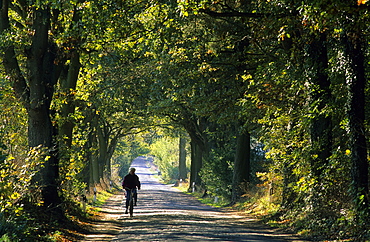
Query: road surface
{"x":165,"y":214}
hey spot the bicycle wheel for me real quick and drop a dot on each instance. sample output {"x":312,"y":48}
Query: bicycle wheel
{"x":131,"y":206}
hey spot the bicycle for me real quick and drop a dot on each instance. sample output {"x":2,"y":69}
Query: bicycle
{"x":130,"y":192}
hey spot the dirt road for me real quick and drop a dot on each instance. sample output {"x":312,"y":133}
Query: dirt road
{"x":165,"y":214}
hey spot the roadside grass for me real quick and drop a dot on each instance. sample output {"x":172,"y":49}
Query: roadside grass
{"x":205,"y":199}
{"x":82,"y":220}
{"x":258,"y":204}
{"x":101,"y":198}
{"x":94,"y":204}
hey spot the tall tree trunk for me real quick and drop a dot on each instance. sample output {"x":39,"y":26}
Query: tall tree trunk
{"x":36,"y":95}
{"x":354,"y":50}
{"x":102,"y":151}
{"x":242,"y":169}
{"x":94,"y":162}
{"x":106,"y":145}
{"x":112,"y":146}
{"x":196,"y":164}
{"x":43,"y":77}
{"x":321,"y":126}
{"x":68,"y":84}
{"x":40,"y":131}
{"x":88,"y":168}
{"x":195,"y":127}
{"x":43,"y":70}
{"x":182,"y":158}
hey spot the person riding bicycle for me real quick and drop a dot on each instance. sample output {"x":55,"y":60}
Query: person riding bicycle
{"x":131,"y":181}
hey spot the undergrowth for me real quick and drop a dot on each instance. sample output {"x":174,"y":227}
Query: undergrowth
{"x":300,"y":220}
{"x":35,"y":223}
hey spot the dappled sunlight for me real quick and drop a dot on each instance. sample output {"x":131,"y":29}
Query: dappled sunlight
{"x":165,"y":214}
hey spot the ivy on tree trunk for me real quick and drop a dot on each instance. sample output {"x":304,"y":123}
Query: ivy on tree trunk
{"x":353,"y":43}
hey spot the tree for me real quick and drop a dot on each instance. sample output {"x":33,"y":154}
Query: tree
{"x":42,"y":45}
{"x":242,"y":166}
{"x":278,"y":87}
{"x":354,"y":42}
{"x":182,"y":158}
{"x":320,"y":130}
{"x":43,"y":66}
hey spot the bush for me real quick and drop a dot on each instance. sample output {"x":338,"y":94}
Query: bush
{"x":217,"y":174}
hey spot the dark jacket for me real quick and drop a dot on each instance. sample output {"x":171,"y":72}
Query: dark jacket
{"x":131,"y":181}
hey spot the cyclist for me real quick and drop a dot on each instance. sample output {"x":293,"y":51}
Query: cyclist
{"x":131,"y":181}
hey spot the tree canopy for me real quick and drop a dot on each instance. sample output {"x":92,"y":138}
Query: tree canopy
{"x":271,"y":97}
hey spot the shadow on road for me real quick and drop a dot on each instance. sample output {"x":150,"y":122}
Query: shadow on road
{"x":165,"y":214}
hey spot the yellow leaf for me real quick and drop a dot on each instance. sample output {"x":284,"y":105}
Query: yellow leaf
{"x":18,"y":211}
{"x":10,"y":157}
{"x":359,"y":2}
{"x":15,"y":195}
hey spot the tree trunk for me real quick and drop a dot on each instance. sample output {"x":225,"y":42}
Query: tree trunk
{"x":321,"y":126}
{"x":196,"y":164}
{"x":43,"y":70}
{"x":88,"y":168}
{"x":195,"y":127}
{"x":95,"y":170}
{"x":40,"y":133}
{"x":354,"y":44}
{"x":102,"y":151}
{"x":94,"y":163}
{"x":242,"y":169}
{"x":36,"y":95}
{"x":43,"y":77}
{"x":182,"y":158}
{"x":68,"y":84}
{"x":112,"y":146}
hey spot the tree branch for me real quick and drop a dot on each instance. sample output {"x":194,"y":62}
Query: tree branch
{"x":9,"y":59}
